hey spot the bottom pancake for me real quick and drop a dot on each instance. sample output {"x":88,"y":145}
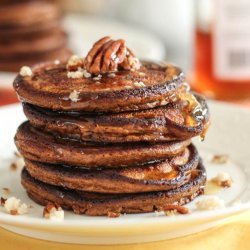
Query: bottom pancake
{"x":96,"y":204}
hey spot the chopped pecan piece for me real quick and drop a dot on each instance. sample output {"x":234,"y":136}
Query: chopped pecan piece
{"x":113,"y":214}
{"x":2,"y":201}
{"x":220,"y":159}
{"x":177,"y":208}
{"x":53,"y":211}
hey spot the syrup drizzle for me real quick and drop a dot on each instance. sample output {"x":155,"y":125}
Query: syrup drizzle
{"x":194,"y":113}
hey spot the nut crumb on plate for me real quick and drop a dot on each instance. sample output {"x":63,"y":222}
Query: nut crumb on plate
{"x":17,"y":163}
{"x":53,"y":212}
{"x":13,"y":166}
{"x":172,"y":209}
{"x":210,"y":203}
{"x":113,"y":214}
{"x":6,"y":190}
{"x":222,"y":179}
{"x":2,"y":201}
{"x":14,"y":206}
{"x":220,"y":159}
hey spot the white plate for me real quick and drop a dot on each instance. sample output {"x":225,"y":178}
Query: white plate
{"x":229,"y":134}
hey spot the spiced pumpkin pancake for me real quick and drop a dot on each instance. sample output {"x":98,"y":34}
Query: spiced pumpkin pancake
{"x":166,"y":123}
{"x":40,"y":146}
{"x":96,"y":204}
{"x":40,"y":45}
{"x":28,"y":17}
{"x":168,"y":174}
{"x":14,"y":64}
{"x":109,"y":79}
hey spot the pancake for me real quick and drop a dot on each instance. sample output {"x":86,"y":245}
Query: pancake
{"x":39,"y":146}
{"x":168,"y":174}
{"x":33,"y":46}
{"x":14,"y":64}
{"x":96,"y":204}
{"x":49,"y":87}
{"x":29,"y":32}
{"x":166,"y":123}
{"x":28,"y":17}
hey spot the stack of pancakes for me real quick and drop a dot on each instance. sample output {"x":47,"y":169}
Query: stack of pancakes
{"x":30,"y":32}
{"x":115,"y":142}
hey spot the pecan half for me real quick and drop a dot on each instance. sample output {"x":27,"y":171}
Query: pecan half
{"x":109,"y":55}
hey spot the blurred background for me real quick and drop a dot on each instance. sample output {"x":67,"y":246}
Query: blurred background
{"x":208,"y":39}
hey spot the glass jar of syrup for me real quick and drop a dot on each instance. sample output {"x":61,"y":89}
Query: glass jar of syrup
{"x":222,"y":49}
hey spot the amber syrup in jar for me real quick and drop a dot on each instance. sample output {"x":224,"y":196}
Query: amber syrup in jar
{"x":222,"y":49}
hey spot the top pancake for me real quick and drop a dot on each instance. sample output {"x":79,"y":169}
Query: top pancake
{"x":50,"y":87}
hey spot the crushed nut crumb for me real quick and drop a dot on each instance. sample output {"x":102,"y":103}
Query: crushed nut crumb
{"x":74,"y":63}
{"x":170,"y":212}
{"x":97,"y":78}
{"x":17,"y":163}
{"x":6,"y":190}
{"x":127,"y":87}
{"x":14,"y":206}
{"x":74,"y":96}
{"x":210,"y":203}
{"x":56,"y":62}
{"x":223,"y":180}
{"x":141,"y":74}
{"x":175,"y":77}
{"x":112,"y":75}
{"x":134,"y":63}
{"x":2,"y":201}
{"x":139,"y":84}
{"x":13,"y":166}
{"x":74,"y":59}
{"x":75,"y":74}
{"x":172,"y":209}
{"x":53,"y":212}
{"x":113,"y":214}
{"x":220,"y":159}
{"x":25,"y":71}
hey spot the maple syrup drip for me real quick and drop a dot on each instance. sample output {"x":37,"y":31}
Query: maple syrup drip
{"x":204,"y":131}
{"x":212,"y":188}
{"x":193,"y":112}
